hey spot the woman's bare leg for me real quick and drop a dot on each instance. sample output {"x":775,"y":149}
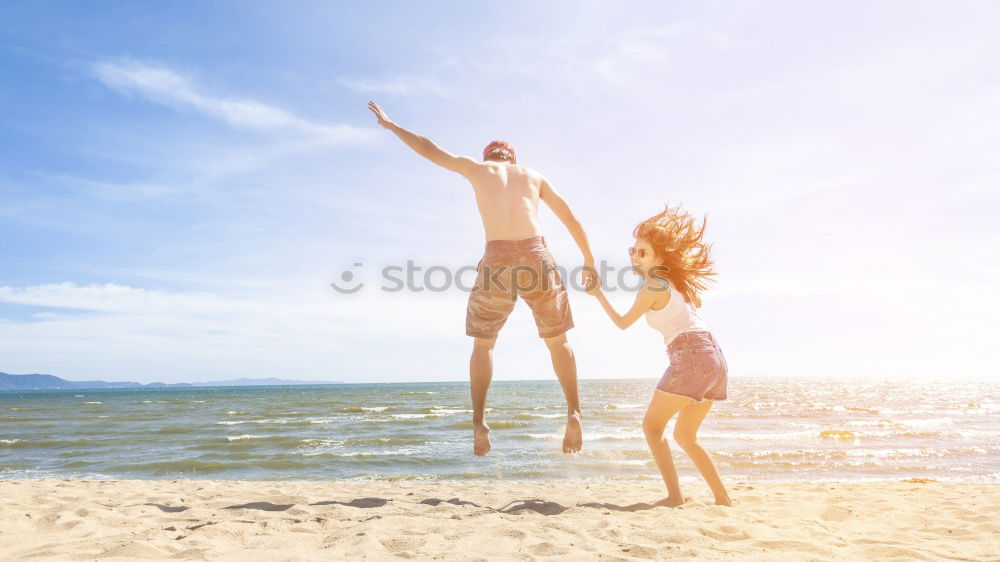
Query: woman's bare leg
{"x":662,"y":407}
{"x":686,"y":435}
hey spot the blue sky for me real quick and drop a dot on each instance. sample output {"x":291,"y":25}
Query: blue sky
{"x":179,"y":182}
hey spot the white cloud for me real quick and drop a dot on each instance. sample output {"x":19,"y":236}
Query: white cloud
{"x":400,"y":85}
{"x":640,"y":51}
{"x":165,"y":86}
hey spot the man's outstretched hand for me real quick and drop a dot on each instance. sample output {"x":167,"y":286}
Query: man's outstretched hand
{"x":383,"y":119}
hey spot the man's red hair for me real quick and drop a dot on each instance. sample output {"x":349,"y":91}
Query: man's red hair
{"x":500,"y":150}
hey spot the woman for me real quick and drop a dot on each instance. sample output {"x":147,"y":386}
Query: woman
{"x":675,"y":265}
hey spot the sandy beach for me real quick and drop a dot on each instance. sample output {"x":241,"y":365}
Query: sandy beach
{"x":498,"y":520}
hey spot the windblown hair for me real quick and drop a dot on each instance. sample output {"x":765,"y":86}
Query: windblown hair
{"x":678,"y":245}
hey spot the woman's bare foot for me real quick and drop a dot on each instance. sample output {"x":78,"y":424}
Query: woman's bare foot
{"x":724,"y":501}
{"x":671,"y":501}
{"x":481,"y":439}
{"x":573,"y":440}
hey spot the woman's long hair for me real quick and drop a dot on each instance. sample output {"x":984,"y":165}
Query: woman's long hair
{"x":678,"y":245}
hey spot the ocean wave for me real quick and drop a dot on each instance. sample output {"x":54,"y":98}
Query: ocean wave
{"x":323,"y":421}
{"x":843,"y":454}
{"x":540,"y":436}
{"x":874,"y":423}
{"x":634,"y":462}
{"x":838,"y":434}
{"x":442,"y":411}
{"x":386,"y":441}
{"x":364,"y":454}
{"x":597,"y":436}
{"x":278,"y":421}
{"x":244,"y":437}
{"x":528,"y":416}
{"x":178,"y":430}
{"x":623,"y":406}
{"x":280,"y":464}
{"x":502,"y":424}
{"x":864,"y":409}
{"x":172,"y":467}
{"x":13,"y":472}
{"x":930,"y":422}
{"x":48,"y":443}
{"x":315,"y":442}
{"x":755,"y":436}
{"x":792,"y":436}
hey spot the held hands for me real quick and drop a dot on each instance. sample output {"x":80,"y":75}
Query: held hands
{"x":591,"y":281}
{"x":383,"y":119}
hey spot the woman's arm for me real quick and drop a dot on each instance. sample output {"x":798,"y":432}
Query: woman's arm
{"x":643,"y":302}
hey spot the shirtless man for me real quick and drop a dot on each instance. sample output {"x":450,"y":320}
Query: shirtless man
{"x":516,"y":262}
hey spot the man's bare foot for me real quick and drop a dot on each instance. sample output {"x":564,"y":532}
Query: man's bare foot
{"x":671,"y":502}
{"x":573,"y":440}
{"x":481,"y":439}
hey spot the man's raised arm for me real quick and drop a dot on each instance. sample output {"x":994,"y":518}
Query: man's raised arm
{"x":563,"y":212}
{"x":425,"y":146}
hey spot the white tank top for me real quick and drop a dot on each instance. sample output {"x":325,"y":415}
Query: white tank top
{"x":678,"y":316}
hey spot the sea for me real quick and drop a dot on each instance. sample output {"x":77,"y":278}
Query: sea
{"x":768,"y":429}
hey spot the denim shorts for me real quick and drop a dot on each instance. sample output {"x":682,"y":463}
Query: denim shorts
{"x":697,"y":368}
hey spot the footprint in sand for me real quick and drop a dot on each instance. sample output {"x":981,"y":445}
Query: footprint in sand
{"x":134,"y":550}
{"x":792,"y":546}
{"x":886,"y":551}
{"x":70,"y":524}
{"x":399,"y":545}
{"x":547,"y":549}
{"x":726,"y":534}
{"x":835,"y":513}
{"x":639,"y":551}
{"x":511,"y":534}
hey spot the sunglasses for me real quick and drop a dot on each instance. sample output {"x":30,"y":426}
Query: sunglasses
{"x":633,"y":251}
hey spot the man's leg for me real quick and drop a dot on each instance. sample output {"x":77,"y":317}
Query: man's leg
{"x":480,"y":375}
{"x":490,"y":303}
{"x":564,"y":364}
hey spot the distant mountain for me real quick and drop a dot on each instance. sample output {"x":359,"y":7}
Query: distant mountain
{"x":260,"y":382}
{"x":50,"y":382}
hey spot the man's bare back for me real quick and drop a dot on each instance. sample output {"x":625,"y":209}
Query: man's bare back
{"x":507,"y":196}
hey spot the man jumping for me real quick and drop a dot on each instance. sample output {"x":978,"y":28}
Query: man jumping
{"x":516,"y":262}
